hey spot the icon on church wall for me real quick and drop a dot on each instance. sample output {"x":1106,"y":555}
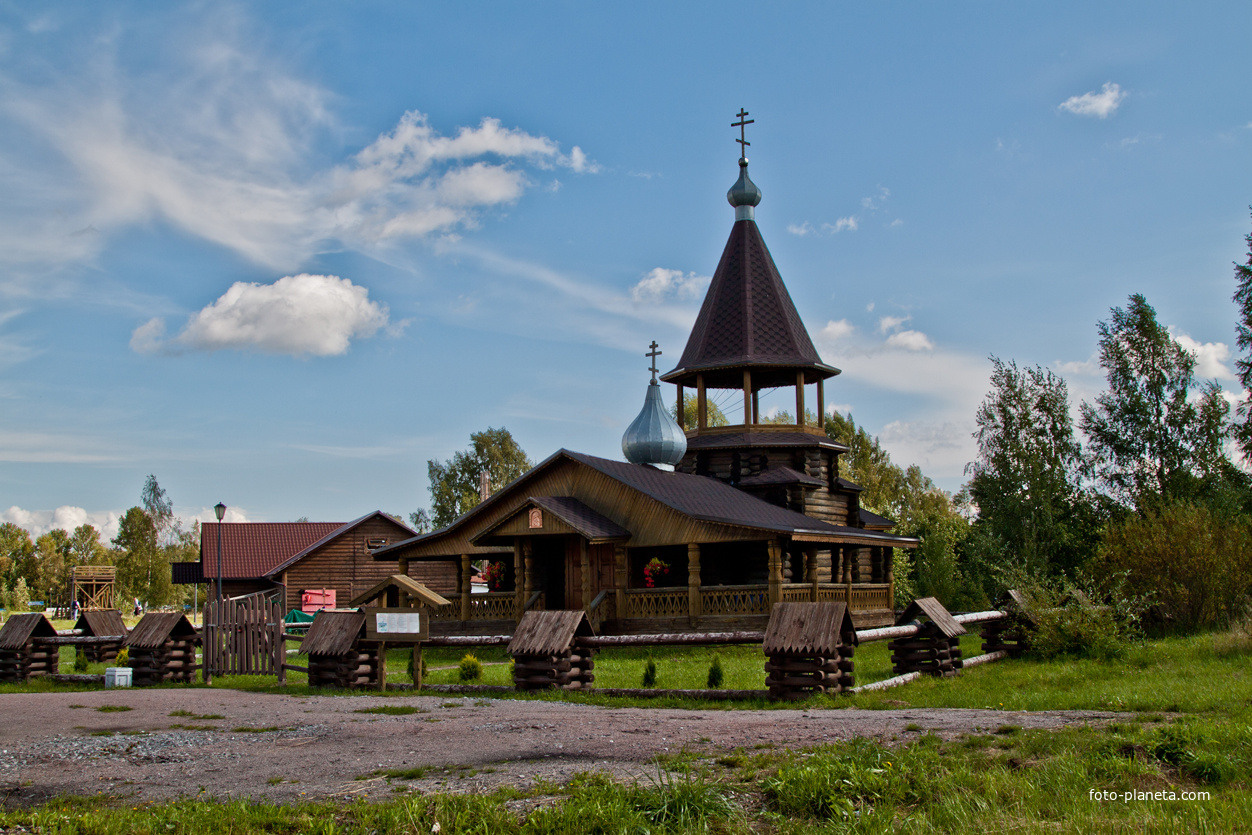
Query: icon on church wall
{"x":536,"y":517}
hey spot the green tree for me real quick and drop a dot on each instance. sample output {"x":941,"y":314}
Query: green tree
{"x":1242,"y":430}
{"x":918,"y":507}
{"x":86,"y":548}
{"x":16,"y":549}
{"x":142,"y":569}
{"x":691,"y":412}
{"x":52,"y":561}
{"x":419,"y":520}
{"x":1026,"y":482}
{"x":157,"y":504}
{"x":455,"y":484}
{"x":1148,"y":440}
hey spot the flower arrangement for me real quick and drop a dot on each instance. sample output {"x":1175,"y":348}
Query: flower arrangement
{"x":493,"y":576}
{"x":654,"y":569}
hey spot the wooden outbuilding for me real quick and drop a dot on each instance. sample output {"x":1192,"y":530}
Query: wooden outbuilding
{"x":400,"y":590}
{"x":936,"y":648}
{"x":338,"y":654}
{"x":102,"y":623}
{"x":544,"y":653}
{"x":810,"y":648}
{"x":162,"y":648}
{"x":25,"y":652}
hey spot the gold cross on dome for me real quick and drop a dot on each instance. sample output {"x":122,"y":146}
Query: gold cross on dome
{"x":743,"y":142}
{"x":654,"y":353}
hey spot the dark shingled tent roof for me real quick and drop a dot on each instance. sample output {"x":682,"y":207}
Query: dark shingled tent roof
{"x":333,"y":633}
{"x":102,"y":623}
{"x":21,"y":628}
{"x":807,"y":628}
{"x":548,"y":633}
{"x":157,"y":627}
{"x":748,"y":318}
{"x":932,"y":609}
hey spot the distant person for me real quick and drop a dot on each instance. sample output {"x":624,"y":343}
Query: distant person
{"x":74,"y":611}
{"x":138,"y":608}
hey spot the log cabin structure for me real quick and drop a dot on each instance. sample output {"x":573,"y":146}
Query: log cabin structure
{"x":26,"y":650}
{"x":162,"y":649}
{"x":102,"y":623}
{"x":297,"y":556}
{"x":702,"y":529}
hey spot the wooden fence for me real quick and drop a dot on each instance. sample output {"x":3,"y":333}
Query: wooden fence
{"x":244,"y":636}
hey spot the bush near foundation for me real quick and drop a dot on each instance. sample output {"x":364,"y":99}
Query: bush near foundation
{"x":470,"y":668}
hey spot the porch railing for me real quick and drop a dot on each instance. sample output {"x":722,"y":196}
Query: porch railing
{"x":496,"y":605}
{"x":656,"y":603}
{"x":735,"y":600}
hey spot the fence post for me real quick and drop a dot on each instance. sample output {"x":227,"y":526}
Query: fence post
{"x":206,"y":646}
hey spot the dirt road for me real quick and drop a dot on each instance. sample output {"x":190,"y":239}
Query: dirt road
{"x":323,"y":746}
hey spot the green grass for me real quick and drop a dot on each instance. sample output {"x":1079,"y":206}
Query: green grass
{"x":114,"y":708}
{"x":392,"y":710}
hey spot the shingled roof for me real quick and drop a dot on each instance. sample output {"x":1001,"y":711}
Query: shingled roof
{"x":250,"y":550}
{"x":748,"y":319}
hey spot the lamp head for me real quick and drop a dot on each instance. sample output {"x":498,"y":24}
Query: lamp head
{"x":219,"y":510}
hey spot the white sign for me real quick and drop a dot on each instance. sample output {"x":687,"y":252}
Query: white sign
{"x":398,"y":623}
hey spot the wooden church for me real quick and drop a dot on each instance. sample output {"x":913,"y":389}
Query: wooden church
{"x":750,"y":514}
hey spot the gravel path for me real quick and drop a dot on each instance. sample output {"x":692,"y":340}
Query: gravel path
{"x":321,"y":746}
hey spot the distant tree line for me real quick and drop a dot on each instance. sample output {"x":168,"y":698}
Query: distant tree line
{"x":149,"y":538}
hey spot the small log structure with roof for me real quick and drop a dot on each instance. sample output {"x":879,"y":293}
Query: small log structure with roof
{"x":544,"y":653}
{"x":162,"y":648}
{"x":338,"y":653}
{"x":1011,"y":633}
{"x":751,"y":514}
{"x":102,"y":623}
{"x":25,"y":649}
{"x":93,"y":586}
{"x":810,"y":648}
{"x":936,"y":648}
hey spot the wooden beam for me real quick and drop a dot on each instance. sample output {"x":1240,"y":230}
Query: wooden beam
{"x":747,"y":396}
{"x":821,"y":402}
{"x":464,"y":583}
{"x":799,"y":398}
{"x":620,"y":578}
{"x":519,"y":588}
{"x":528,"y":559}
{"x":810,"y":573}
{"x":584,"y":566}
{"x":695,"y":606}
{"x":756,"y":407}
{"x":774,"y":549}
{"x":681,"y":409}
{"x":702,"y":405}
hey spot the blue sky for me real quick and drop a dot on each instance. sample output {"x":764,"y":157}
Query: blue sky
{"x":279,"y":255}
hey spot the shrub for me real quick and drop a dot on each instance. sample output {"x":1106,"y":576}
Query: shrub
{"x":716,"y":674}
{"x":1196,"y":564}
{"x":1074,"y":619}
{"x":470,"y":668}
{"x":19,"y":596}
{"x":649,"y":674}
{"x":123,"y":657}
{"x":80,"y":660}
{"x":410,"y":667}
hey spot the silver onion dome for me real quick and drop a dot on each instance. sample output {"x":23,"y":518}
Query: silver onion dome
{"x":654,"y":437}
{"x":744,"y":194}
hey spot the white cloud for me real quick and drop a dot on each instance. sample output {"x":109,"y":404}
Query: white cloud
{"x":67,"y":518}
{"x":232,"y":514}
{"x":1101,"y":105}
{"x":801,"y":229}
{"x":875,"y":201}
{"x":910,"y":341}
{"x":888,"y":324}
{"x":303,"y":314}
{"x":1090,"y":367}
{"x":836,"y":330}
{"x":843,"y":224}
{"x":660,"y":284}
{"x":1210,"y":357}
{"x":228,"y":147}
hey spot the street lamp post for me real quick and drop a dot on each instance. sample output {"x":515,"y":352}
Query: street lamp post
{"x":219,"y":511}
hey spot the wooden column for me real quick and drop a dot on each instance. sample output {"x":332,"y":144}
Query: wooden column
{"x":382,"y":666}
{"x":821,"y":402}
{"x":888,"y":556}
{"x":519,"y":589}
{"x":847,"y":550}
{"x":775,"y":571}
{"x":680,"y":410}
{"x":702,"y":406}
{"x":810,"y":575}
{"x":756,"y":407}
{"x":402,"y":567}
{"x":695,"y":604}
{"x":799,"y":398}
{"x":584,"y":567}
{"x":620,"y":578}
{"x":528,"y":559}
{"x":465,"y":588}
{"x":747,"y":396}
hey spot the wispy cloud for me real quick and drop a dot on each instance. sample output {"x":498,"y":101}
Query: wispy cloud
{"x":66,"y":518}
{"x":1210,"y":357}
{"x":870,"y":206}
{"x":1101,"y":105}
{"x":227,"y":147}
{"x":316,"y":315}
{"x":660,"y":284}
